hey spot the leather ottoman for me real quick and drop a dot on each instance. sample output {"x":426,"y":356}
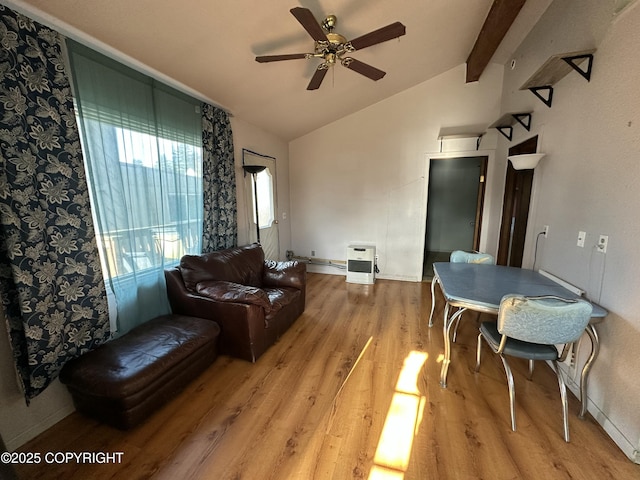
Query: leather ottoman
{"x":123,"y":381}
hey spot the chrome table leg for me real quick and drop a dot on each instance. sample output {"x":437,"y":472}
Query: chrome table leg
{"x":446,"y":329}
{"x":584,"y":377}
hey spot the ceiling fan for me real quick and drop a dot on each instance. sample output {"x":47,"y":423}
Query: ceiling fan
{"x":332,"y":47}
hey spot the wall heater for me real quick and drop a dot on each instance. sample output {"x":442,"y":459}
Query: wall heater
{"x":361,"y":264}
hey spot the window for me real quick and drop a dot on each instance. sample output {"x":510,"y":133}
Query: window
{"x":142,"y":143}
{"x":266,"y":203}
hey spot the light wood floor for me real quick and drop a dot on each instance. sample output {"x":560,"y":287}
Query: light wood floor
{"x":351,"y":391}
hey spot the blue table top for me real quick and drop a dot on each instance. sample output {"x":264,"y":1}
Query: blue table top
{"x":482,"y":286}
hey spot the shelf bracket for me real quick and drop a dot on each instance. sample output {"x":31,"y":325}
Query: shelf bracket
{"x":554,"y":69}
{"x":523,"y":119}
{"x":504,"y":129}
{"x":546,"y":100}
{"x":506,"y":122}
{"x":573,"y":64}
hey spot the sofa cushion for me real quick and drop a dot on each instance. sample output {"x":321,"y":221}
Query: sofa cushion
{"x":243,"y":265}
{"x":234,"y":292}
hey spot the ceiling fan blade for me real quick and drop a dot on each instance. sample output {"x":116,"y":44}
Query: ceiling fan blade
{"x":363,"y":68}
{"x":383,"y":34}
{"x":317,"y":78}
{"x":277,"y":58}
{"x":310,"y":24}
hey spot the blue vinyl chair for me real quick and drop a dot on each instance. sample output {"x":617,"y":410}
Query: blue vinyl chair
{"x":530,"y":328}
{"x":460,"y":256}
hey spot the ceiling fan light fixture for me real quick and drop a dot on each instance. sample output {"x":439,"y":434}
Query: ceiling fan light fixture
{"x":331,"y":47}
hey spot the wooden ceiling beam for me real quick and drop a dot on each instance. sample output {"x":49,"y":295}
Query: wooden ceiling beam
{"x":498,"y":21}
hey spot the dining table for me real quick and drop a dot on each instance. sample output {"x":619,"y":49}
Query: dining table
{"x":480,"y":287}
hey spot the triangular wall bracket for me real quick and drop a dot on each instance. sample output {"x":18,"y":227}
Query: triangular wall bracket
{"x":523,"y":119}
{"x":546,"y":100}
{"x":554,"y":69}
{"x":575,"y":65}
{"x":506,"y":122}
{"x":506,"y":130}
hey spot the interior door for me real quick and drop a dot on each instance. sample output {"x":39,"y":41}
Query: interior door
{"x":515,"y":208}
{"x":265,"y":186}
{"x":454,"y":207}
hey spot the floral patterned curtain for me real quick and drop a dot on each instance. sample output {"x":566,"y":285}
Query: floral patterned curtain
{"x":51,"y":283}
{"x":220,"y":228}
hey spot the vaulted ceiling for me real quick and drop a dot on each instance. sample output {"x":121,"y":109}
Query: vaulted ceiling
{"x":210,"y":46}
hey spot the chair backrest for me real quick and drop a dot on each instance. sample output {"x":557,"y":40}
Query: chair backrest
{"x":460,"y":256}
{"x":546,"y":319}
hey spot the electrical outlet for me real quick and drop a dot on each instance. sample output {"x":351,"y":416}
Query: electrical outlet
{"x":545,"y":230}
{"x":313,"y":253}
{"x":603,"y":241}
{"x":581,"y":237}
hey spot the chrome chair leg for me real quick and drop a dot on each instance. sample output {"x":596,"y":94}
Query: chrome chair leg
{"x":455,"y":329}
{"x":512,"y":392}
{"x":531,"y":365}
{"x":478,"y":352}
{"x":563,"y":396}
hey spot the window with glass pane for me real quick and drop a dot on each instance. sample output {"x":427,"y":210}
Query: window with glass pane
{"x":142,"y":143}
{"x":266,"y":207}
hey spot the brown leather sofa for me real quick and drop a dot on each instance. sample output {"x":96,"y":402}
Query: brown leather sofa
{"x":254,"y":301}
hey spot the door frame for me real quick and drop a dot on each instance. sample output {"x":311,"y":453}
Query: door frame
{"x":480,"y":231}
{"x":249,"y":157}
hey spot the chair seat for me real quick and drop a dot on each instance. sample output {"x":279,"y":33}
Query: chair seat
{"x":516,"y":348}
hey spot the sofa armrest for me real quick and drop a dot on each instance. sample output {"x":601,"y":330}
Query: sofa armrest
{"x":285,"y":274}
{"x":222,"y":291}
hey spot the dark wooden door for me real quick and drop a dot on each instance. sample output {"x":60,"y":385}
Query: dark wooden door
{"x":515,"y":208}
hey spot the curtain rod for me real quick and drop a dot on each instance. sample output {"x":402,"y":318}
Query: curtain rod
{"x":246,"y":150}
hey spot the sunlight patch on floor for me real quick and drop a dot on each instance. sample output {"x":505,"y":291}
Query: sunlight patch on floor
{"x":402,"y":422}
{"x":381,"y":473}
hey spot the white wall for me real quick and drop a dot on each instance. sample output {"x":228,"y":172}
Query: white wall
{"x":589,"y":181}
{"x":253,"y":138}
{"x":363,"y":179}
{"x":19,"y":423}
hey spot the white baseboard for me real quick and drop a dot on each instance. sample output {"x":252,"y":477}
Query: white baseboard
{"x":630,"y":450}
{"x":32,"y":432}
